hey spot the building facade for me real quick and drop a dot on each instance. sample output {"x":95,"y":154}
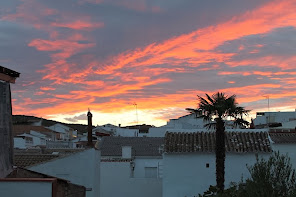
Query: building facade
{"x":189,"y":160}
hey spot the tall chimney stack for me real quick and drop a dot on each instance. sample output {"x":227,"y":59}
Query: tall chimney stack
{"x":89,"y":129}
{"x":7,"y":76}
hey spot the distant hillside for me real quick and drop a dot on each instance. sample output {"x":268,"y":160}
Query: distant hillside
{"x":23,"y":119}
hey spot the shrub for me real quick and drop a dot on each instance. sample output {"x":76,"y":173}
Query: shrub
{"x":274,"y":177}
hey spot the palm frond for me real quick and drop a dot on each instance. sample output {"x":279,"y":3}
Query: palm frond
{"x":241,"y":122}
{"x":219,"y":105}
{"x":210,"y":99}
{"x":197,"y":112}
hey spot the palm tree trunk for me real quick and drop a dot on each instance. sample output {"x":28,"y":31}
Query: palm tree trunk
{"x":220,"y":154}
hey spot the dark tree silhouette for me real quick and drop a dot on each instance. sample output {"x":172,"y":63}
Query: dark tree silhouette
{"x":218,"y":107}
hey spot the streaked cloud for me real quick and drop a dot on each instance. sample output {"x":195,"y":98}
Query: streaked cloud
{"x":91,"y":55}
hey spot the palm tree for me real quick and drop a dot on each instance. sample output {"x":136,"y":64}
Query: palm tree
{"x":218,"y":108}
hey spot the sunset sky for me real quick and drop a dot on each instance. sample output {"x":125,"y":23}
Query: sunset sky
{"x":119,"y":57}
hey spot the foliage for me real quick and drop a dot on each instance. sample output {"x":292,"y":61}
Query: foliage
{"x":274,"y":177}
{"x":218,"y":107}
{"x":221,"y":106}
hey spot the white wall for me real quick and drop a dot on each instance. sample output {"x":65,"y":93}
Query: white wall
{"x":36,"y":140}
{"x":140,"y":164}
{"x":288,"y":125}
{"x":156,"y":132}
{"x":187,"y":174}
{"x":126,"y":132}
{"x":116,"y":181}
{"x":63,"y":130}
{"x":19,"y":142}
{"x":59,"y":128}
{"x":81,"y":168}
{"x":25,"y":189}
{"x":279,"y":117}
{"x":289,"y":149}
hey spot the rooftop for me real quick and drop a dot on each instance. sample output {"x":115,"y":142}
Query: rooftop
{"x":26,"y":160}
{"x":141,"y":146}
{"x":20,"y":129}
{"x":235,"y":142}
{"x":28,"y":157}
{"x":283,"y":137}
{"x":8,"y":75}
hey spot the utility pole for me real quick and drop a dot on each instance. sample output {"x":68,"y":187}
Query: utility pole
{"x":268,"y":120}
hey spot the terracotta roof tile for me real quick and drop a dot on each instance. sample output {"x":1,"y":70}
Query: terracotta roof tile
{"x":283,"y":137}
{"x":238,"y":142}
{"x":20,"y":129}
{"x":25,"y":160}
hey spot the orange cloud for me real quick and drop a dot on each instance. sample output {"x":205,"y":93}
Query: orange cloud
{"x":47,"y":88}
{"x":67,"y":48}
{"x":266,"y":61}
{"x":196,"y":47}
{"x":79,"y":25}
{"x":124,"y":77}
{"x":260,"y":73}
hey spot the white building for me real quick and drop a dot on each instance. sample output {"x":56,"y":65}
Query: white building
{"x":65,"y":132}
{"x":265,"y":118}
{"x":82,"y":168}
{"x":31,"y":139}
{"x":24,"y":182}
{"x":285,"y":143}
{"x":131,"y":166}
{"x":34,"y":130}
{"x":113,"y":130}
{"x":187,"y":123}
{"x":189,"y":160}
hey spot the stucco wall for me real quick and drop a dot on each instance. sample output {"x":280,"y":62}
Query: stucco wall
{"x":187,"y":175}
{"x":274,"y":117}
{"x":19,"y":143}
{"x":30,"y":189}
{"x":140,"y":164}
{"x":289,"y":149}
{"x":81,"y":168}
{"x":116,"y":181}
{"x":126,"y":132}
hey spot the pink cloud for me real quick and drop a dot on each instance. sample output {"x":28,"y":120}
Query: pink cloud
{"x":79,"y":25}
{"x":197,"y":47}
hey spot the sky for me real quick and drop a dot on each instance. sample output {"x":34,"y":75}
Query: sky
{"x":145,"y":61}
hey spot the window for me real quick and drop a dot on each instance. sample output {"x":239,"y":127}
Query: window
{"x":150,"y":172}
{"x":29,"y":140}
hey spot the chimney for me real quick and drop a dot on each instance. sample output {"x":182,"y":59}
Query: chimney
{"x":89,"y":129}
{"x":126,"y":152}
{"x":7,"y":76}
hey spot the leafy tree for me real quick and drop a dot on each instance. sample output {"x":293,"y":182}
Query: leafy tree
{"x":274,"y":177}
{"x":219,"y":107}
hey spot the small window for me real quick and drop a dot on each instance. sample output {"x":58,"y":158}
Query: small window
{"x":150,"y":172}
{"x":207,"y":165}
